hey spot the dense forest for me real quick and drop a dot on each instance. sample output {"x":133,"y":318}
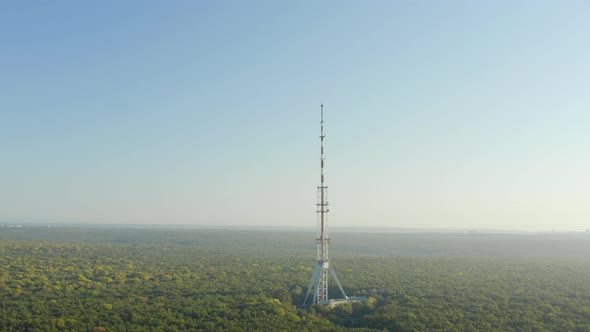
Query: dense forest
{"x":125,"y":279}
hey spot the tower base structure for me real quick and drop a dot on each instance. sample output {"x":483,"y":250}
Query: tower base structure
{"x":319,"y":284}
{"x":320,"y":275}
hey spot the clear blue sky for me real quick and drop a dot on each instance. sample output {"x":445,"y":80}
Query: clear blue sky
{"x":440,"y":114}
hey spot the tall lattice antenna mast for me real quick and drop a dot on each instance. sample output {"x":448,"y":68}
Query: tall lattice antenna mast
{"x":319,"y":277}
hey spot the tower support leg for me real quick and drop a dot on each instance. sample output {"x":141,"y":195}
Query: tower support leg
{"x":311,"y":283}
{"x":337,"y":281}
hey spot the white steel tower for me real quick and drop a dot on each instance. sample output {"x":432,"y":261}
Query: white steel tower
{"x":319,"y":277}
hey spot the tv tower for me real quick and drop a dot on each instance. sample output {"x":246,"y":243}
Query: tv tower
{"x":319,"y":277}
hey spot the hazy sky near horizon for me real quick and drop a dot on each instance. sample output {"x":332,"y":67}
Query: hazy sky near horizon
{"x":440,"y":114}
